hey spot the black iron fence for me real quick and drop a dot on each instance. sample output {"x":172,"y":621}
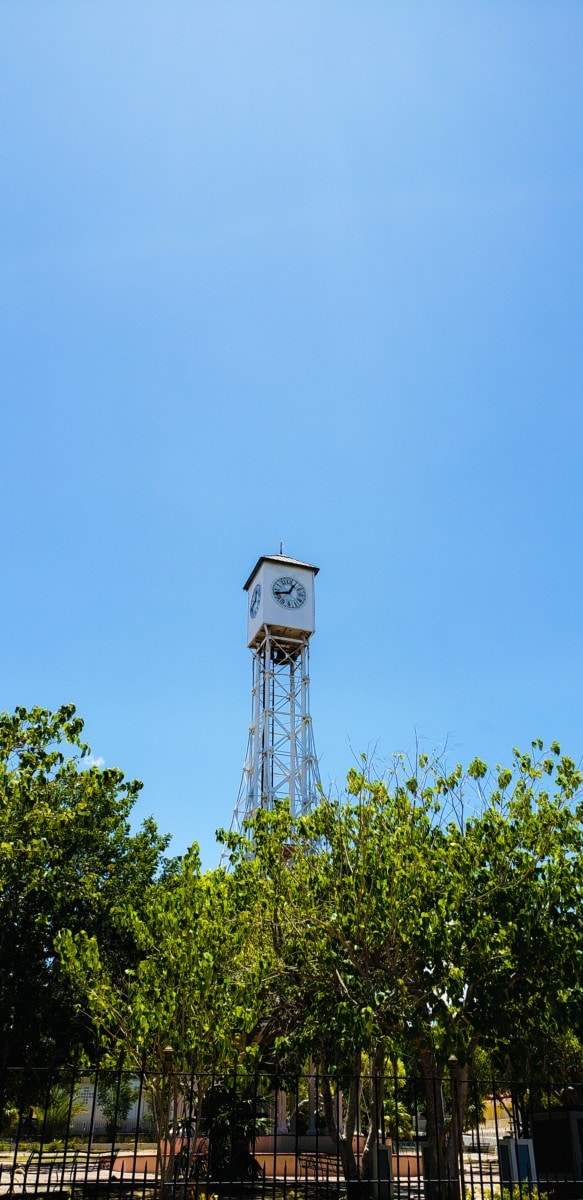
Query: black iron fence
{"x":395,"y":1137}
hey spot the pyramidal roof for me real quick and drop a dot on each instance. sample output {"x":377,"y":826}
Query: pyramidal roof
{"x":282,"y":560}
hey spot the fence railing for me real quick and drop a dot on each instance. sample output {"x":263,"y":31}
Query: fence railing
{"x":392,"y":1137}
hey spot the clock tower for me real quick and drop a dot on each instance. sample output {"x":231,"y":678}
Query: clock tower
{"x":281,"y":760}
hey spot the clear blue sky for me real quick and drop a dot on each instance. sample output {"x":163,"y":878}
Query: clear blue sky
{"x":296,"y":270}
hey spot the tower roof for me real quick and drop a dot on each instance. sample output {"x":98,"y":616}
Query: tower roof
{"x":282,"y":560}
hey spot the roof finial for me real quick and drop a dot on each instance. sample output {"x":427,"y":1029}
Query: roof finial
{"x":281,"y":547}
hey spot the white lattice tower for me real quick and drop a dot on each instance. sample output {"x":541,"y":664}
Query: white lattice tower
{"x":281,"y":759}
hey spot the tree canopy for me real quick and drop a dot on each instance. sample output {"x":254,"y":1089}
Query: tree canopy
{"x":404,"y":913}
{"x":424,"y":914}
{"x":406,"y":921}
{"x":68,"y":861}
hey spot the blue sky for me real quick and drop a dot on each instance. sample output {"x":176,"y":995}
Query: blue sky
{"x":299,"y":271}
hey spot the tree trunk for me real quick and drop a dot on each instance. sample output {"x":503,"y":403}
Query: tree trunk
{"x":344,"y":1141}
{"x":3,"y":1076}
{"x":376,"y":1087}
{"x":434,"y":1162}
{"x":455,"y":1146}
{"x":163,"y":1098}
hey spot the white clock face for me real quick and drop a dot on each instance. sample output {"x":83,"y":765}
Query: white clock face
{"x":255,"y":601}
{"x":288,"y":592}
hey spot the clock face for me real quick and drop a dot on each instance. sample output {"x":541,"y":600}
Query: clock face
{"x":288,"y":592}
{"x":255,"y":601}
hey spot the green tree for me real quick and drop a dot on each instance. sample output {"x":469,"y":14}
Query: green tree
{"x":59,"y":1110}
{"x":192,"y":1003}
{"x":68,"y":861}
{"x":116,"y":1094}
{"x":402,"y":924}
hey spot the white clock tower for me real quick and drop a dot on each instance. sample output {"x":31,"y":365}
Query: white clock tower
{"x":281,"y":760}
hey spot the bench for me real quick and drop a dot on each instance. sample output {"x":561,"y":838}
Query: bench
{"x":75,"y":1165}
{"x":319,"y":1165}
